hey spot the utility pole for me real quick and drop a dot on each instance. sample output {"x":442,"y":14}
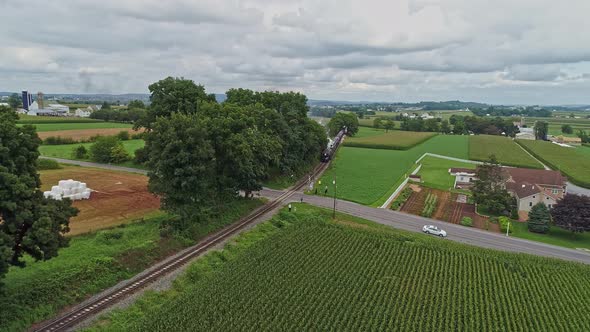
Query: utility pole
{"x":334,"y":211}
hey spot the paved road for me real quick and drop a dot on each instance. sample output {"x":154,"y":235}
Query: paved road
{"x":97,"y":165}
{"x":573,"y":189}
{"x":457,"y":233}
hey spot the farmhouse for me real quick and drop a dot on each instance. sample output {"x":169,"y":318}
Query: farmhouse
{"x":528,"y":186}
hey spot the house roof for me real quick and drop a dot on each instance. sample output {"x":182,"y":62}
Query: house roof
{"x":461,"y":170}
{"x":523,"y":189}
{"x":538,"y":176}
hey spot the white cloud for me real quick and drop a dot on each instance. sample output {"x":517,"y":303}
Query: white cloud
{"x":504,"y":51}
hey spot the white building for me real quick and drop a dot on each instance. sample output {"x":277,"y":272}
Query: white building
{"x":83,"y":113}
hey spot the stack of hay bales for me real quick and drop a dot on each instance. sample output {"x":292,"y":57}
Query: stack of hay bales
{"x":74,"y":190}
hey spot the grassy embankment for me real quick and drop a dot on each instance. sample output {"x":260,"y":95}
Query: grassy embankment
{"x":305,"y":271}
{"x":507,"y":152}
{"x":91,"y":263}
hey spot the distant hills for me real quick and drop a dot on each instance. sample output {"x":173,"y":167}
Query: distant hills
{"x":426,"y":105}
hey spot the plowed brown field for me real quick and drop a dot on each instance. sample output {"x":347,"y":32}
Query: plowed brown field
{"x":78,"y":134}
{"x":119,"y":197}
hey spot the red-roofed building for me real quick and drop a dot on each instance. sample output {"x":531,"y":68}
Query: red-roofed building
{"x":528,"y":186}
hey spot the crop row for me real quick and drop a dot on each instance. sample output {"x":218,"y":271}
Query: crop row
{"x":429,"y":205}
{"x":325,"y":276}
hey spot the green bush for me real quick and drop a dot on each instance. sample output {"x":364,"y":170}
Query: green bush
{"x":123,"y":135}
{"x":58,"y":140}
{"x":401,"y":198}
{"x":108,"y":150}
{"x":138,"y":136}
{"x":467,"y":221}
{"x":80,"y":152}
{"x":429,"y":205}
{"x":141,"y":156}
{"x":43,"y":164}
{"x":504,"y":222}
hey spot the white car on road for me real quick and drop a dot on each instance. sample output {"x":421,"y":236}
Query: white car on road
{"x":430,"y":229}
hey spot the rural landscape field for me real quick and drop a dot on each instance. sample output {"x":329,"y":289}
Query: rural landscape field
{"x":295,"y":166}
{"x":306,"y":271}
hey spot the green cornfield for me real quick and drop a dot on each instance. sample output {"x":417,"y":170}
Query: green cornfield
{"x":302,"y":271}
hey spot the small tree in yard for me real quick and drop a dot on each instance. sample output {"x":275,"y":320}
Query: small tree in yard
{"x":489,"y":189}
{"x":539,"y":219}
{"x":80,"y":152}
{"x":572,"y":213}
{"x":108,"y":150}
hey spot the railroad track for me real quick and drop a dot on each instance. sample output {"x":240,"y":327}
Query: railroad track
{"x":82,"y":312}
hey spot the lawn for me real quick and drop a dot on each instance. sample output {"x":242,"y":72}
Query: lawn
{"x":572,"y":162}
{"x":392,"y":140}
{"x":369,"y":176}
{"x":92,"y":263}
{"x":435,"y":172}
{"x":29,"y":119}
{"x":556,"y":236}
{"x":65,"y":151}
{"x":507,"y":152}
{"x":77,"y":126}
{"x":304,"y":271}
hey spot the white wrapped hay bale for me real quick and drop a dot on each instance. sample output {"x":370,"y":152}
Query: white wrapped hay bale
{"x":74,"y":190}
{"x":86,"y":194}
{"x":47,"y":194}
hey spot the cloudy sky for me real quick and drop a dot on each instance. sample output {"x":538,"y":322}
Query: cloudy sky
{"x":501,"y":51}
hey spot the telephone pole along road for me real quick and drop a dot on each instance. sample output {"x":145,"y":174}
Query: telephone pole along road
{"x":458,"y":233}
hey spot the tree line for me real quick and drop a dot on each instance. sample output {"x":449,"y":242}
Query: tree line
{"x":496,"y":111}
{"x":461,"y":125}
{"x":202,"y":154}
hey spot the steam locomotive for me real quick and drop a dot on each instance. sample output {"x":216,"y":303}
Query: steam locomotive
{"x":333,"y":146}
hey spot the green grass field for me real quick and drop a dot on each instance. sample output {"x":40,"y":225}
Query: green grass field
{"x":556,"y":236}
{"x":505,"y":149}
{"x":303,"y":271}
{"x":369,"y":176}
{"x":392,"y":140}
{"x":95,"y":262}
{"x":28,"y":119}
{"x":77,"y":126}
{"x":572,"y":162}
{"x":65,"y":151}
{"x":435,"y":172}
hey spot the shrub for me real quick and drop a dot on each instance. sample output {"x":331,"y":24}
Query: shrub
{"x":466,"y":221}
{"x":141,"y":156}
{"x":43,"y":164}
{"x":58,"y":140}
{"x":108,"y":150}
{"x":138,"y":136}
{"x":123,"y":135}
{"x":80,"y":152}
{"x":504,"y":222}
{"x":429,"y":205}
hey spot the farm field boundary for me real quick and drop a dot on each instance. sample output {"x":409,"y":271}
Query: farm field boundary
{"x":392,"y":140}
{"x":506,"y":151}
{"x":575,"y":166}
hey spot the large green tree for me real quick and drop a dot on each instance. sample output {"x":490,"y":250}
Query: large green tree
{"x":340,"y":120}
{"x":174,"y":95}
{"x":539,"y":219}
{"x":567,"y":129}
{"x":572,"y":213}
{"x":541,"y":130}
{"x":489,"y":189}
{"x":15,"y":101}
{"x":29,"y":223}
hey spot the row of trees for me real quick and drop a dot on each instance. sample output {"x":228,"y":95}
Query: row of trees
{"x":461,"y":125}
{"x":201,"y":154}
{"x":29,"y":223}
{"x":571,"y":213}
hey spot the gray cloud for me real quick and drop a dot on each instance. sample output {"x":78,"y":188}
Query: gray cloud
{"x":526,"y":51}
